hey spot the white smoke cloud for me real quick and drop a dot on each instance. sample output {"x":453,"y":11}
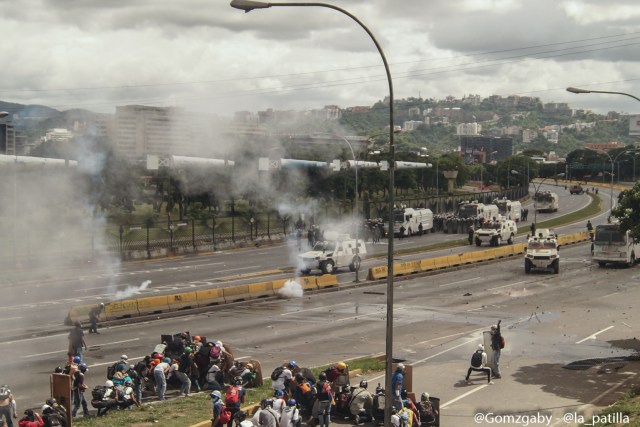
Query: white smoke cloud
{"x":130,"y":291}
{"x":291,"y":289}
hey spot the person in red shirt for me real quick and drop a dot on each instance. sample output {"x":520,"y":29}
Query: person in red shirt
{"x":31,"y":419}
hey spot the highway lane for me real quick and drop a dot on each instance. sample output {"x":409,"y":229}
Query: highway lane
{"x":49,"y":300}
{"x":437,"y":322}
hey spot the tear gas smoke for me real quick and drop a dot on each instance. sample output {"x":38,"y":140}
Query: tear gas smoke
{"x":130,"y":291}
{"x":291,"y":289}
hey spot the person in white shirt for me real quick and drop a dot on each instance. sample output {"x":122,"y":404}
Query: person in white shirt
{"x":160,"y":376}
{"x":479,"y":364}
{"x":278,"y":402}
{"x":283,"y":380}
{"x":290,"y":416}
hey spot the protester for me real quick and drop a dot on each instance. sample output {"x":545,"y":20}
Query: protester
{"x":78,"y":388}
{"x":31,"y":419}
{"x":94,"y":315}
{"x":7,"y":405}
{"x":497,"y":343}
{"x":478,"y":364}
{"x":76,"y":340}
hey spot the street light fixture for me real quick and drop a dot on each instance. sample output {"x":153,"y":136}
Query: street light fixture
{"x":248,"y":6}
{"x":578,"y":90}
{"x":3,"y":114}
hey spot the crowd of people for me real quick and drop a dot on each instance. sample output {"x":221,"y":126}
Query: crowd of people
{"x":299,"y":397}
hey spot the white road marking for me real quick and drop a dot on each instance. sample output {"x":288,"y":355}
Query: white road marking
{"x":461,"y":281}
{"x":592,"y":337}
{"x":325,"y":307}
{"x":462,"y":396}
{"x":65,"y":350}
{"x":11,"y":318}
{"x":506,"y":286}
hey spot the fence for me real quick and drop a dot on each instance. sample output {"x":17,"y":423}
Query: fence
{"x":81,"y":240}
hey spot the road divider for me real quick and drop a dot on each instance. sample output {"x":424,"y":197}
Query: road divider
{"x":136,"y":307}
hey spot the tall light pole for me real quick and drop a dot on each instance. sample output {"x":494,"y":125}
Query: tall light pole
{"x":613,"y":165}
{"x":536,"y":190}
{"x":248,"y":6}
{"x":355,"y":210}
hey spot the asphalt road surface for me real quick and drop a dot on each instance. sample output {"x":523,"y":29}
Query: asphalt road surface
{"x":437,"y":319}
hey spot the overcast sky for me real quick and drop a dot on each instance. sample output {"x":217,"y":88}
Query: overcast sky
{"x":206,"y":56}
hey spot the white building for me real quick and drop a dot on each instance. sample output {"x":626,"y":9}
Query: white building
{"x":468,"y":129}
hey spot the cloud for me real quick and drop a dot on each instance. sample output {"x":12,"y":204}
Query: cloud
{"x":207,"y":56}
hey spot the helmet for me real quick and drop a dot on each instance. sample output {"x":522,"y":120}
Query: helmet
{"x":77,"y":324}
{"x":240,"y":416}
{"x":341,"y":366}
{"x":58,"y":370}
{"x":197,"y":338}
{"x":364,"y":384}
{"x":166,"y":360}
{"x":83,"y":367}
{"x":379,"y":389}
{"x":184,"y":335}
{"x":101,"y":304}
{"x":248,"y":366}
{"x":215,"y":395}
{"x":108,"y":383}
{"x":77,"y":359}
{"x":480,"y":347}
{"x":293,"y":364}
{"x":187,"y":350}
{"x":51,"y":401}
{"x":322,"y":376}
{"x":279,"y":393}
{"x":128,"y":382}
{"x":237,"y":381}
{"x":291,"y":402}
{"x":400,"y":367}
{"x":424,"y":397}
{"x":124,"y":357}
{"x":45,"y":408}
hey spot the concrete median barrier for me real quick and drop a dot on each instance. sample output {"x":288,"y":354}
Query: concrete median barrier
{"x":261,"y":290}
{"x":377,"y":273}
{"x":236,"y":293}
{"x":441,"y":262}
{"x":326,"y":281}
{"x":406,"y":268}
{"x":181,"y":301}
{"x":121,"y":309}
{"x":152,"y":305}
{"x":209,"y":297}
{"x":454,"y":260}
{"x":427,"y":264}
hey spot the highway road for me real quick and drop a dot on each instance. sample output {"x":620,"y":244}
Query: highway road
{"x":437,"y":317}
{"x":47,"y":294}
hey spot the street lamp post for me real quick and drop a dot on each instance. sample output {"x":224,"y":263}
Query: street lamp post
{"x":355,"y":210}
{"x":613,"y":165}
{"x":249,"y":5}
{"x":536,"y":189}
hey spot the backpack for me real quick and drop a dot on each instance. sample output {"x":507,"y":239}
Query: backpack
{"x":276,"y":373}
{"x":111,"y":370}
{"x":232,"y":396}
{"x":502,"y":342}
{"x":225,"y":415}
{"x":4,"y":393}
{"x":98,"y":392}
{"x":476,"y":359}
{"x":323,"y":390}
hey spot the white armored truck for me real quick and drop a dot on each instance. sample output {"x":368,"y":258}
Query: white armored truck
{"x":496,"y":232}
{"x":339,"y":250}
{"x":542,"y":252}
